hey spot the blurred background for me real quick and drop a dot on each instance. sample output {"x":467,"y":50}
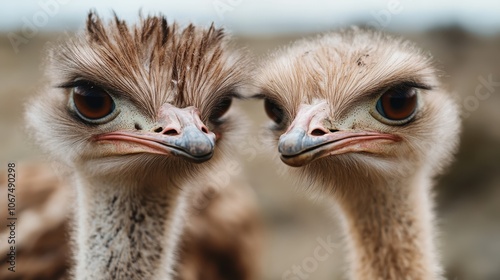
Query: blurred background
{"x":464,"y":38}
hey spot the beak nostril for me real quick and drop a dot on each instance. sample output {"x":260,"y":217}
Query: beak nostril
{"x":158,"y":130}
{"x":318,"y":132}
{"x":171,"y":132}
{"x":204,"y":129}
{"x":333,"y":130}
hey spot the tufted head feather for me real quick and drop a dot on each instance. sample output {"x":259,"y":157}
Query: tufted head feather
{"x":152,"y":62}
{"x":150,"y":70}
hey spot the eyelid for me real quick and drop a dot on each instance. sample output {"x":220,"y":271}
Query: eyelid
{"x":377,"y":92}
{"x":78,"y":82}
{"x":413,"y":84}
{"x":87,"y":83}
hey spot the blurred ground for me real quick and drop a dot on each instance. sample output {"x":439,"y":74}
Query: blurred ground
{"x":468,"y":196}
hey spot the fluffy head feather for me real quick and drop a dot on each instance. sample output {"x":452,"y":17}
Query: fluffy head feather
{"x":348,"y":71}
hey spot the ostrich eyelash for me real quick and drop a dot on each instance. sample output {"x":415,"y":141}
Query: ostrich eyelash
{"x":77,"y":83}
{"x":88,"y":83}
{"x":413,"y":85}
{"x":406,"y":84}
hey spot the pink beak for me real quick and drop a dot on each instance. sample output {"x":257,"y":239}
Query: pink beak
{"x":308,"y":139}
{"x":178,"y":132}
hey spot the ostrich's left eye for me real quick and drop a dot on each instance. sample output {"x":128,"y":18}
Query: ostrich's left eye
{"x":398,"y":103}
{"x":92,"y":102}
{"x":220,"y":109}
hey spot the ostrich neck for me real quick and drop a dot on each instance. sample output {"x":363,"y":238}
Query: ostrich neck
{"x":390,"y":227}
{"x":126,"y":231}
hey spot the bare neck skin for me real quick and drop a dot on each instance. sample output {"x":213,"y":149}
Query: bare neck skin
{"x":390,"y":226}
{"x":127,"y":231}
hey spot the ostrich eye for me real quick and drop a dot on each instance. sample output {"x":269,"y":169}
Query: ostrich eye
{"x":221,"y":109}
{"x":92,"y":102}
{"x":398,"y":103}
{"x":273,"y":111}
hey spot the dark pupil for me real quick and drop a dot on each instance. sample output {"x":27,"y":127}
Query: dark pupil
{"x":399,"y":102}
{"x":92,"y":100}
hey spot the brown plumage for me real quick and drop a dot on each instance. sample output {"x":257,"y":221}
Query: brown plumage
{"x":128,"y":109}
{"x":223,"y":236}
{"x":363,"y":117}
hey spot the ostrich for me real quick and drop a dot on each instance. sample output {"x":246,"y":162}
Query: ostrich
{"x":131,"y":110}
{"x":364,"y":121}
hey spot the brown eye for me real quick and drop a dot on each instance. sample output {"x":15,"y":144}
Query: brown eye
{"x":273,"y":111}
{"x":221,"y":109}
{"x":92,"y":102}
{"x":398,"y":103}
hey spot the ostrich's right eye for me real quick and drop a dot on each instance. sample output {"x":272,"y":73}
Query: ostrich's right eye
{"x":92,"y":102}
{"x":274,"y":111}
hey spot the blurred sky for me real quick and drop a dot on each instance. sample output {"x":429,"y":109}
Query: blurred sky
{"x":261,"y":16}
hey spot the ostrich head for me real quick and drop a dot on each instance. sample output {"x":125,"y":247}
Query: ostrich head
{"x":145,"y":97}
{"x":358,"y":104}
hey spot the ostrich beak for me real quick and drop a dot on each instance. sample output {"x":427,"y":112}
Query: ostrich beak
{"x":308,"y":139}
{"x":178,"y":132}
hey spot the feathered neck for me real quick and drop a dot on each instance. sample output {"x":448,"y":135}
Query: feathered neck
{"x":127,"y":230}
{"x":390,"y":229}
